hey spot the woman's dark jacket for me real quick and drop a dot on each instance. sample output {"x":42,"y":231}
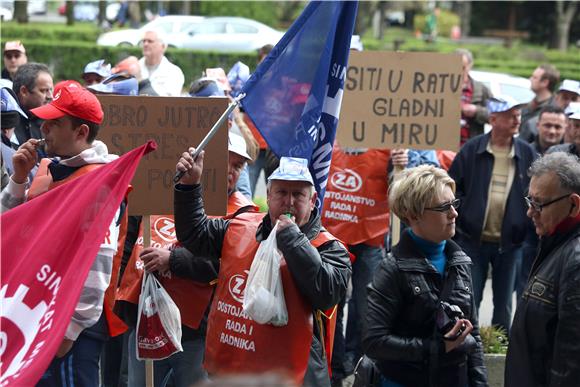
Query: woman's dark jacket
{"x":402,"y":302}
{"x":544,"y":348}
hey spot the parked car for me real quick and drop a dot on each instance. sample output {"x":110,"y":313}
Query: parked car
{"x":499,"y":83}
{"x":228,"y":34}
{"x":171,"y":25}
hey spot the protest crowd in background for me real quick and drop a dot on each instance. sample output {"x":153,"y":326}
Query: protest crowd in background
{"x":360,"y":288}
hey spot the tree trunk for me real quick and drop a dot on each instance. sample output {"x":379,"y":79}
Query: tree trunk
{"x":102,"y":11}
{"x":464,"y":8}
{"x":70,"y":13}
{"x":564,"y":15}
{"x":186,"y":8}
{"x":21,"y":11}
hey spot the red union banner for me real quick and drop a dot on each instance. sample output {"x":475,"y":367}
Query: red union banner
{"x":48,"y":245}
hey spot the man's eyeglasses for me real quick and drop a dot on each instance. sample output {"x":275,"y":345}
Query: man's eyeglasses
{"x":445,"y":207}
{"x":539,"y":206}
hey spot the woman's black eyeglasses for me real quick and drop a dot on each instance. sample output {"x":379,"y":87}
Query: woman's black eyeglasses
{"x":445,"y":207}
{"x":539,"y":206}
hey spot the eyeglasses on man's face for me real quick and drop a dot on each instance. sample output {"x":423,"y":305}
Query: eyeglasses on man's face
{"x":12,"y":55}
{"x":539,"y":206}
{"x":445,"y":207}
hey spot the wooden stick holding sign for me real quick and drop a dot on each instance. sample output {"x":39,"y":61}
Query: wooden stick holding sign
{"x":211,"y":133}
{"x":149,"y":377}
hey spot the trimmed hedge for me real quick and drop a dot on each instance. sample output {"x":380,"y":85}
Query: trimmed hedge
{"x":67,"y":60}
{"x":80,"y":32}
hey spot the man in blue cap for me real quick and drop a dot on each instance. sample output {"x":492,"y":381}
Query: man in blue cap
{"x":315,"y":272}
{"x":490,"y":174}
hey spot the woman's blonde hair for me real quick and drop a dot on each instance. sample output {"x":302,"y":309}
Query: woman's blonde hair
{"x":414,"y":188}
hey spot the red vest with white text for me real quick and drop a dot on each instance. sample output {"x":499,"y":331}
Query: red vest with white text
{"x":235,"y":344}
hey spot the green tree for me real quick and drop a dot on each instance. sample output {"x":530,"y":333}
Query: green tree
{"x":21,"y":11}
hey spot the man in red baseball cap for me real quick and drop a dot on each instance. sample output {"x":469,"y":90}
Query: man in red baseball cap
{"x":71,"y":123}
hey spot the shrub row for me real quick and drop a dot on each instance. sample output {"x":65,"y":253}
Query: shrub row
{"x":67,"y":60}
{"x":80,"y":32}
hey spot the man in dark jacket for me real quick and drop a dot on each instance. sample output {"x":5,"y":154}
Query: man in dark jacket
{"x":33,"y":86}
{"x":544,"y":347}
{"x":315,"y":272}
{"x":490,"y":173}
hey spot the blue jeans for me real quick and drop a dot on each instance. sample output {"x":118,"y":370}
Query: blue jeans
{"x":363,"y":269}
{"x":503,"y":268}
{"x":79,"y":367}
{"x":135,"y":368}
{"x":184,"y":368}
{"x":256,"y":167}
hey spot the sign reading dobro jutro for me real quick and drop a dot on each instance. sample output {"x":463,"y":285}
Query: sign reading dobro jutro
{"x":175,"y":123}
{"x":408,"y":100}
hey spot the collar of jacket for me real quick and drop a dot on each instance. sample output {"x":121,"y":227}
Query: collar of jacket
{"x":410,"y":258}
{"x":311,"y":229}
{"x":482,"y":146}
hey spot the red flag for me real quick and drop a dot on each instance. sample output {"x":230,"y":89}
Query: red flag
{"x":48,"y":246}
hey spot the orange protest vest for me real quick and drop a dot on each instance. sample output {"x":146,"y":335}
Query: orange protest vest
{"x":235,"y":344}
{"x":42,"y":183}
{"x":355,"y":203}
{"x":192,"y":298}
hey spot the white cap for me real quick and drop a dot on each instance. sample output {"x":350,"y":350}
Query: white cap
{"x":356,"y":43}
{"x":573,"y":110}
{"x":237,"y":144}
{"x":570,"y":85}
{"x":502,"y":103}
{"x":292,"y":169}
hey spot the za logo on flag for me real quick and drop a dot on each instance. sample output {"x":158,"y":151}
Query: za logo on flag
{"x":237,"y":286}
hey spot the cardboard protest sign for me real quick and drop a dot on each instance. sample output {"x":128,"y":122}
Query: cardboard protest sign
{"x":175,"y":123}
{"x":395,"y":99}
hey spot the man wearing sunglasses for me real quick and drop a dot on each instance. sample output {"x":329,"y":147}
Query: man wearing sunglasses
{"x":544,"y":344}
{"x":14,"y":57}
{"x":490,"y":173}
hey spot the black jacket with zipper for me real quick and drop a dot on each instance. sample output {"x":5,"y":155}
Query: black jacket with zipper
{"x":403,"y":300}
{"x":321,"y":274}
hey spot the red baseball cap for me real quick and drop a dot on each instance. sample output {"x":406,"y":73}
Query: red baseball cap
{"x":72,"y":101}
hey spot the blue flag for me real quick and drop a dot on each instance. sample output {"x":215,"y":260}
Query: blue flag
{"x":294,"y":95}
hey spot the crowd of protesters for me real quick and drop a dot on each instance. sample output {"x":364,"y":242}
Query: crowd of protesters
{"x":509,"y":199}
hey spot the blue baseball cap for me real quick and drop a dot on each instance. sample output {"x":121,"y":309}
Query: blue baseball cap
{"x":118,"y":84}
{"x":98,"y":67}
{"x":503,"y":103}
{"x":206,"y":87}
{"x":292,"y":169}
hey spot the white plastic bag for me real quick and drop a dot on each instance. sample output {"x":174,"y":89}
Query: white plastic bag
{"x":158,"y":331}
{"x":264,"y":295}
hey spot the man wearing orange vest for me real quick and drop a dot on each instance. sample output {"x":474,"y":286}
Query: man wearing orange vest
{"x":71,"y":124}
{"x":315,"y":272}
{"x":181,"y":278}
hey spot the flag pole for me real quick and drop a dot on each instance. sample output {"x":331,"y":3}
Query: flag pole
{"x":235,"y":102}
{"x":146,"y":220}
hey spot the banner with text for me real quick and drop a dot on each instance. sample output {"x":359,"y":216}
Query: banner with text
{"x":401,"y":100}
{"x":175,"y":123}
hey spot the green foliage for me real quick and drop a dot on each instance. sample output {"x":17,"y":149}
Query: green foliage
{"x":445,"y":21}
{"x":494,"y":339}
{"x":261,"y":202}
{"x":67,"y":60}
{"x":84,"y":32}
{"x":267,"y":12}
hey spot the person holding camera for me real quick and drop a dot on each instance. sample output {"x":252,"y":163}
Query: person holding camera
{"x":422,"y":322}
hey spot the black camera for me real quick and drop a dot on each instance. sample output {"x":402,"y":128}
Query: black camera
{"x":446,"y":318}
